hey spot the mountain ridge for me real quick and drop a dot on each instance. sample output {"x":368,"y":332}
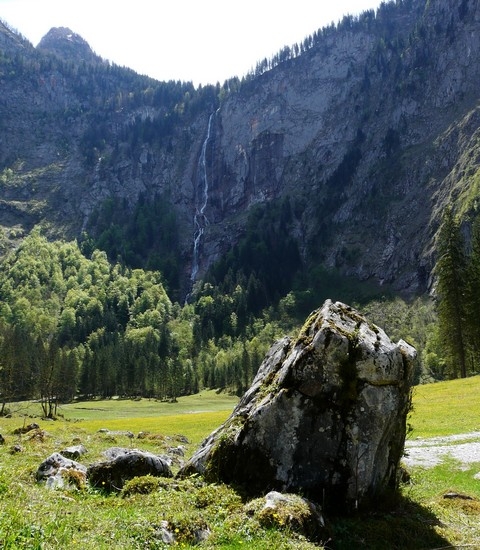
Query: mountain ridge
{"x":369,"y":130}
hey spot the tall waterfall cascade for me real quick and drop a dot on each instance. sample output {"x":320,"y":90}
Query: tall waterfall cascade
{"x":200,"y":220}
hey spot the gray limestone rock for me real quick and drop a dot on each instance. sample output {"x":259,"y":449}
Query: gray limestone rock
{"x":325,"y":416}
{"x":125,"y":464}
{"x":60,"y":472}
{"x":73,"y":452}
{"x":288,"y":511}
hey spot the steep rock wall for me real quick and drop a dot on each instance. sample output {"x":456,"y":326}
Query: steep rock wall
{"x":372,"y":131}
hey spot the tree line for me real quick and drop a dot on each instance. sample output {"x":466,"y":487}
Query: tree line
{"x":77,"y":326}
{"x":74,"y":324}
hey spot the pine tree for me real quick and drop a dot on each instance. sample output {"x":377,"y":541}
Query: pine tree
{"x":473,"y":295}
{"x":450,"y":270}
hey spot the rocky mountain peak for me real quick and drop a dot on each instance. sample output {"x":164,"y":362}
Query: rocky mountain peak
{"x":67,"y":44}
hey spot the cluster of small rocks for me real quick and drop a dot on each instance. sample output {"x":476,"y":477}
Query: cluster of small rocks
{"x":32,"y":431}
{"x":62,"y":469}
{"x":120,"y":465}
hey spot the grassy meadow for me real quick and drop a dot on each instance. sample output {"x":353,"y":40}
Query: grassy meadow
{"x":446,"y":408}
{"x":33,"y":517}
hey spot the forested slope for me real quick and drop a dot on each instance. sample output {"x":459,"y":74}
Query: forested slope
{"x":156,"y":238}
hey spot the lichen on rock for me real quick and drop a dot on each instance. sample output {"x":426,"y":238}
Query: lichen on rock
{"x":325,"y":416}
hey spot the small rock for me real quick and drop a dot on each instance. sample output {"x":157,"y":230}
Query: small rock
{"x":177,"y":451}
{"x":26,"y":429}
{"x":166,"y":535}
{"x":192,"y":534}
{"x":113,"y":452}
{"x":58,"y":471}
{"x":66,"y":478}
{"x":461,"y":496}
{"x":288,"y":511}
{"x":114,"y":433}
{"x":74,"y":452}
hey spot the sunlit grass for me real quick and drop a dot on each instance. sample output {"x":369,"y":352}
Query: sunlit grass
{"x":192,"y":416}
{"x":206,"y":401}
{"x":446,"y":408}
{"x":194,"y":426}
{"x":452,"y":494}
{"x":32,"y":517}
{"x":448,"y":477}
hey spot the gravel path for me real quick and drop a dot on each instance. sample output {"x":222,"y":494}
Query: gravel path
{"x":429,"y":452}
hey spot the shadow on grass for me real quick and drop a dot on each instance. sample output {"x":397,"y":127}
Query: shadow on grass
{"x":407,"y":526}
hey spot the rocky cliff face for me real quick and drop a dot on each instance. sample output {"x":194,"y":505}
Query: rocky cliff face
{"x":376,"y":109}
{"x":371,"y":128}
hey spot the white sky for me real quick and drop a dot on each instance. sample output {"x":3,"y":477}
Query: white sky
{"x":204,"y":41}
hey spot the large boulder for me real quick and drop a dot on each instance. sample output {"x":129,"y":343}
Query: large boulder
{"x":325,"y":416}
{"x":125,"y":464}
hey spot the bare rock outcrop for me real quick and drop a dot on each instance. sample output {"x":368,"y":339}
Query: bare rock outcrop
{"x":68,"y":45}
{"x":325,"y":416}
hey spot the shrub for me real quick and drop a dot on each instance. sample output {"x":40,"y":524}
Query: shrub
{"x":142,"y":485}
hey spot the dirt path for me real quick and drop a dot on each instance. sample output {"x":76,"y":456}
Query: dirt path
{"x":429,"y":452}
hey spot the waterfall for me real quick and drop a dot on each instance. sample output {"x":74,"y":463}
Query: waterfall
{"x":200,"y":220}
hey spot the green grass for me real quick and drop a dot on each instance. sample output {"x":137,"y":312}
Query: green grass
{"x":456,"y":520}
{"x":446,"y":408}
{"x":117,"y":409}
{"x":32,"y":517}
{"x":193,"y":416}
{"x":206,"y":401}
